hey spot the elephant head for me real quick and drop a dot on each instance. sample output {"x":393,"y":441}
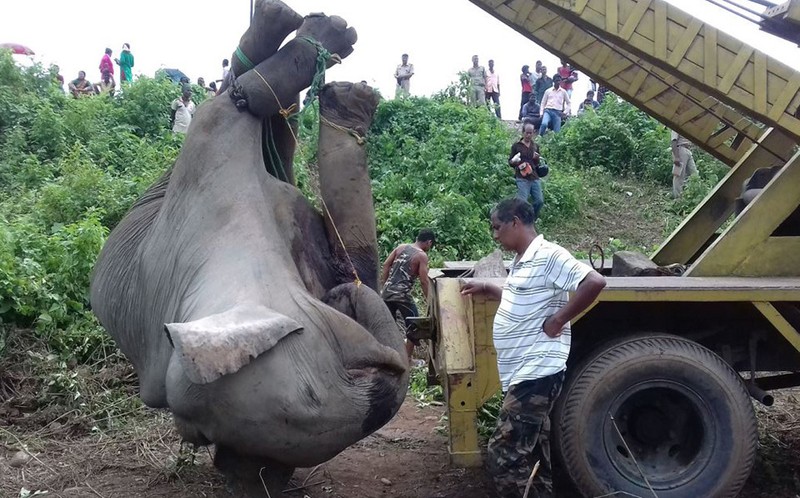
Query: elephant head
{"x":249,"y":314}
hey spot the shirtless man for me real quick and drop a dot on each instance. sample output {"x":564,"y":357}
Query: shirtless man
{"x":405,"y":264}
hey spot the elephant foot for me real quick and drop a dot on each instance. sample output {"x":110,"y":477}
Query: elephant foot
{"x":330,"y":31}
{"x":350,"y":105}
{"x":292,"y":68}
{"x":249,"y":477}
{"x":272,"y":22}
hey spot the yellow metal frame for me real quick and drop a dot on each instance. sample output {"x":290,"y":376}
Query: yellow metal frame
{"x":712,"y":60}
{"x":696,"y":230}
{"x":779,"y":322}
{"x":721,"y":130}
{"x":746,"y":247}
{"x":466,"y":361}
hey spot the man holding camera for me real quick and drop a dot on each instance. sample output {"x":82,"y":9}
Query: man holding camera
{"x":527,"y":164}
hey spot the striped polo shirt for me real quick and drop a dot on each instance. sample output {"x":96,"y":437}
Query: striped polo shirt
{"x":537,"y":286}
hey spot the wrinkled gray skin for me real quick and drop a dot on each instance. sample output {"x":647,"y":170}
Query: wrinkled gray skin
{"x":222,"y":288}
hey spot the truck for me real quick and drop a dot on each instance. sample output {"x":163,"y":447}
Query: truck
{"x":663,"y":369}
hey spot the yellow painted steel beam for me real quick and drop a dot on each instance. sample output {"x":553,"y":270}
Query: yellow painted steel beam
{"x":697,"y":289}
{"x":724,"y":132}
{"x":727,"y":255}
{"x":462,"y":420}
{"x":487,"y":381}
{"x":697,"y":229}
{"x":693,"y":51}
{"x":467,"y":364}
{"x":774,"y":257}
{"x":455,"y":347}
{"x":779,"y":322}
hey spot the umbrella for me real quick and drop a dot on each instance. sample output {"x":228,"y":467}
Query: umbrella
{"x":174,"y":74}
{"x":16,"y":48}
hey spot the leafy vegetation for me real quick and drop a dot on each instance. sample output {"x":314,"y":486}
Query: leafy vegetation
{"x":69,"y":170}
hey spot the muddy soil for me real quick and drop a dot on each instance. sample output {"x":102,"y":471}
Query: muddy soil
{"x":407,"y":458}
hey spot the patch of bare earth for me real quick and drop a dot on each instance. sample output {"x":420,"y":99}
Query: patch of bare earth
{"x":406,"y":458}
{"x":79,"y":452}
{"x":633,"y":212}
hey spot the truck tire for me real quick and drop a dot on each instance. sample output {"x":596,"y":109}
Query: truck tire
{"x":687,"y":423}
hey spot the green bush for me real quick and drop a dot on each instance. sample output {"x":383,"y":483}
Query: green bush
{"x":617,"y":138}
{"x":69,"y":170}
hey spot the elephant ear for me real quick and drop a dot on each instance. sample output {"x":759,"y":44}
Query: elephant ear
{"x":223,"y":343}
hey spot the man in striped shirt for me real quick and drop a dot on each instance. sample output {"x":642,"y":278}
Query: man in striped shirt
{"x":532,"y":338}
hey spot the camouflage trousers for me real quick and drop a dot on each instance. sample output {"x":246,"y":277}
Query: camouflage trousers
{"x":522,"y":437}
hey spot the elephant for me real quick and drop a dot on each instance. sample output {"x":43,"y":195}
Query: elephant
{"x":246,"y":312}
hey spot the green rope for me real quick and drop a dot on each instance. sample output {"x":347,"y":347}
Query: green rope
{"x":274,"y":156}
{"x":323,"y":56}
{"x":248,"y":64}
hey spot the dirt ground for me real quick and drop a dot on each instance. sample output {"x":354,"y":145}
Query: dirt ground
{"x":406,"y":458}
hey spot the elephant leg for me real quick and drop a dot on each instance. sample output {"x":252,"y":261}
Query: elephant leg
{"x":272,"y":22}
{"x":346,"y":111}
{"x":249,"y":476}
{"x":274,"y":83}
{"x":280,"y":140}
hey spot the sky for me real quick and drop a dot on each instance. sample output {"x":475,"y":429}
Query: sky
{"x":440,"y":37}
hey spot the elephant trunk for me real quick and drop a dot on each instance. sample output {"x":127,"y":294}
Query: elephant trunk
{"x":384,"y":368}
{"x":346,"y":111}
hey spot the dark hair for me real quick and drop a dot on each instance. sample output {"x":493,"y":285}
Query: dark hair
{"x":225,"y":62}
{"x":108,"y":51}
{"x":507,"y":209}
{"x":525,"y":68}
{"x":425,"y":235}
{"x":557,"y":77}
{"x":404,"y":55}
{"x":213,"y":86}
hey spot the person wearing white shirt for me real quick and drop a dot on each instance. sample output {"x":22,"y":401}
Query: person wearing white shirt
{"x":403,"y":75}
{"x":555,"y":101}
{"x":532,"y":338}
{"x":183,"y":110}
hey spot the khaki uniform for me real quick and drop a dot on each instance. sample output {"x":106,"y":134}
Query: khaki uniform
{"x":477,"y":79}
{"x":403,"y":76}
{"x":682,"y":163}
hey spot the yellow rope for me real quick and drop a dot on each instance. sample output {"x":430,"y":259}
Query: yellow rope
{"x":359,"y":139}
{"x":286,"y":113}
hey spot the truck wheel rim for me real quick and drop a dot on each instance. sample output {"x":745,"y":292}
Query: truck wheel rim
{"x":667,"y":429}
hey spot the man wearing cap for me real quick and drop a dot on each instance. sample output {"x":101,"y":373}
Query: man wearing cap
{"x":403,"y":75}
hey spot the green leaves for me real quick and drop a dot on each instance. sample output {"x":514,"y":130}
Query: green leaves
{"x":69,"y":170}
{"x":437,"y":163}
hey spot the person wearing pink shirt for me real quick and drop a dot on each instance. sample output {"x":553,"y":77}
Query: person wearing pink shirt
{"x":492,"y":88}
{"x":106,"y":65}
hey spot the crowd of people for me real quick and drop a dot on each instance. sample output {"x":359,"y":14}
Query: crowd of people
{"x":107,"y":84}
{"x":181,"y":109}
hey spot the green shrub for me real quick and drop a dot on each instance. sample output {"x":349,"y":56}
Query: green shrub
{"x":69,"y":170}
{"x":438,"y":163}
